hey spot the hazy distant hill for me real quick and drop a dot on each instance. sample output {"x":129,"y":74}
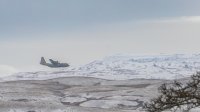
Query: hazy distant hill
{"x":120,"y":67}
{"x":159,"y":66}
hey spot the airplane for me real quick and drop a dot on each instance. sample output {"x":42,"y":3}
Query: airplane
{"x":53,"y":64}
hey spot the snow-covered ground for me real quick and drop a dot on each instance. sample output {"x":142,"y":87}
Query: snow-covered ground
{"x":120,"y":83}
{"x":76,"y":94}
{"x":148,"y":67}
{"x":122,"y":67}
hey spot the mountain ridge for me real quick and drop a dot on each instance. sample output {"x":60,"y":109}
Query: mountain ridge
{"x":123,"y":67}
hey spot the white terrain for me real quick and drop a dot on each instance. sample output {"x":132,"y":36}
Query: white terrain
{"x":120,"y":83}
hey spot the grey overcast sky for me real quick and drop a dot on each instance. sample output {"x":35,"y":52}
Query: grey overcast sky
{"x":80,"y":31}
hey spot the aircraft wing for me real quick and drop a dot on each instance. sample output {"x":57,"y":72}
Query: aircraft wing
{"x":54,"y":62}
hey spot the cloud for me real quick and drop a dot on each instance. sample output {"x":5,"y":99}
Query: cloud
{"x":6,"y":70}
{"x":191,"y":18}
{"x":164,"y":35}
{"x":174,"y":19}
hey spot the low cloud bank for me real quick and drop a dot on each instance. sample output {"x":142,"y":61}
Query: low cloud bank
{"x":6,"y":70}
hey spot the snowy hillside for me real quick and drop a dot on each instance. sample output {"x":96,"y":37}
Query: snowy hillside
{"x":120,"y":67}
{"x":160,"y":66}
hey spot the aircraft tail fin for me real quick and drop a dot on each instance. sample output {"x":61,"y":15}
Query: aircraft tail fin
{"x":43,"y":62}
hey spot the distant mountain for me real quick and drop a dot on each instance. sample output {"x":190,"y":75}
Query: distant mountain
{"x":150,"y":67}
{"x":120,"y":67}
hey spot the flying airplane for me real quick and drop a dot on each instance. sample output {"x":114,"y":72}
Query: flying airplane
{"x":53,"y":64}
